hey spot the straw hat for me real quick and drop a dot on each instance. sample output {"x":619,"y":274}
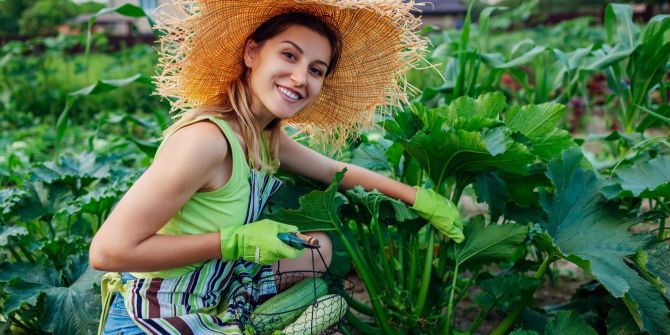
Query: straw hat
{"x":201,"y":52}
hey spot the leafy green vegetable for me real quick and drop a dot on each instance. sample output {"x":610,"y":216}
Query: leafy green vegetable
{"x":568,"y":323}
{"x":486,"y":244}
{"x":67,"y":308}
{"x":644,"y":178}
{"x":593,"y":234}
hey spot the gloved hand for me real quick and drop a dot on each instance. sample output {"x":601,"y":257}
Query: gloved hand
{"x":257,"y":242}
{"x":440,"y":212}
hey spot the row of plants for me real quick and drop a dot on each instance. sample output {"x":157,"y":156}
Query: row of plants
{"x":490,"y":124}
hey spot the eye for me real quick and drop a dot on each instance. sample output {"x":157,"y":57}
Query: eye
{"x":316,"y":71}
{"x":288,"y":55}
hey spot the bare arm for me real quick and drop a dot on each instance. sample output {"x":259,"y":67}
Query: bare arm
{"x":127,"y":241}
{"x":299,"y":159}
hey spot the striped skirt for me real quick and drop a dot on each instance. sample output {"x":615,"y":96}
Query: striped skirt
{"x":206,"y":300}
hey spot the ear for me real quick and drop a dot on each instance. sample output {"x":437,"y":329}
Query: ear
{"x":250,"y":50}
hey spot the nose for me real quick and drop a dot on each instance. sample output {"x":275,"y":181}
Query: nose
{"x":299,"y":76}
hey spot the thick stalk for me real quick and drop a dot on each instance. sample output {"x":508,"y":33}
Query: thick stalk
{"x":400,"y":272}
{"x":511,"y":318}
{"x":425,"y":276}
{"x":414,"y":251}
{"x":26,"y":253}
{"x":52,"y":231}
{"x":450,"y":307}
{"x":465,"y":289}
{"x":364,"y":272}
{"x":359,"y":306}
{"x":360,"y":326}
{"x":15,"y":254}
{"x":481,"y":315}
{"x":661,"y":230}
{"x":390,"y":284}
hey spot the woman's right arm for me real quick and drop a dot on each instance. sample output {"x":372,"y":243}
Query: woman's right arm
{"x":127,"y":241}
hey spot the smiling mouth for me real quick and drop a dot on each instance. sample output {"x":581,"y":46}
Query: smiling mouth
{"x":288,"y":94}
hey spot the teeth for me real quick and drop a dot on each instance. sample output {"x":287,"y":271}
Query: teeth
{"x":289,"y":93}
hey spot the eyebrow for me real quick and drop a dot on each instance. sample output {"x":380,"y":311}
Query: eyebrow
{"x":302,"y":53}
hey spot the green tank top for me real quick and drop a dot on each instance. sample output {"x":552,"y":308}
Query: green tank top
{"x":206,"y":212}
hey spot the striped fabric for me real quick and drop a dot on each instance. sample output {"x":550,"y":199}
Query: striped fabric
{"x":192,"y":304}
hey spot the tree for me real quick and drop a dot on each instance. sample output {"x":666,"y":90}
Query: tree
{"x":44,"y":16}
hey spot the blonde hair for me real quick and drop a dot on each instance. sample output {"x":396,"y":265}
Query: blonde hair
{"x":236,"y":105}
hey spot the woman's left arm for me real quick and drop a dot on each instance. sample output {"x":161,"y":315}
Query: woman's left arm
{"x":299,"y":159}
{"x":439,"y":211}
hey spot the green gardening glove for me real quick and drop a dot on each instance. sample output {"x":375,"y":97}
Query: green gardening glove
{"x":257,"y":242}
{"x":440,"y":212}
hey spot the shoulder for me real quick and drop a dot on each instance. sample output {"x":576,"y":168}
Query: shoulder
{"x":200,"y":144}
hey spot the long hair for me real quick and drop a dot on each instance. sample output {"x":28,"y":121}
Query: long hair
{"x":237,"y":98}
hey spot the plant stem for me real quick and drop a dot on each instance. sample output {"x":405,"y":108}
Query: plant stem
{"x":359,"y":306}
{"x":464,"y":290}
{"x":450,"y":308}
{"x":661,"y":229}
{"x":26,"y":253}
{"x":21,"y":324}
{"x":481,"y":315}
{"x":364,"y":272}
{"x":511,"y":318}
{"x":414,"y":245}
{"x":384,"y":260}
{"x":425,"y":276}
{"x":360,"y":325}
{"x":15,"y":254}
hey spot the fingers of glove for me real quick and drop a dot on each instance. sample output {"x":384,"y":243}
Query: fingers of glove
{"x":286,"y":251}
{"x":458,"y":223}
{"x":455,"y":234}
{"x":450,"y":230}
{"x":286,"y":228}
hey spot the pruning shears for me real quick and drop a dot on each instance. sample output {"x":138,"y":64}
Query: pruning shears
{"x":299,"y":241}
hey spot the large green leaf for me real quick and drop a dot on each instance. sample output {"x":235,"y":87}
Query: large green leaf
{"x":492,"y":190}
{"x":486,"y":244}
{"x":648,"y":64}
{"x":472,"y":114}
{"x":98,"y":201}
{"x":593,"y":234}
{"x":371,"y":156}
{"x":457,"y":151}
{"x":41,"y":200}
{"x":381,"y":206}
{"x":8,"y":232}
{"x":620,"y":322}
{"x":505,"y":290}
{"x":538,"y":124}
{"x":318,"y":210}
{"x":619,"y":25}
{"x":467,"y":136}
{"x":568,"y":323}
{"x":10,"y":197}
{"x":645,"y":179}
{"x":654,"y":265}
{"x":73,"y":309}
{"x":84,"y":167}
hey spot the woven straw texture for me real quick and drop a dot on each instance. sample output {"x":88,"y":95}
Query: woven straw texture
{"x":201,"y":50}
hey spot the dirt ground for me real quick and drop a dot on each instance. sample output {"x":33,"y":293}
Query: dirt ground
{"x":570,"y":278}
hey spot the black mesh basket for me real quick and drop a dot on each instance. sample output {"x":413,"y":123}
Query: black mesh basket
{"x":324,"y":308}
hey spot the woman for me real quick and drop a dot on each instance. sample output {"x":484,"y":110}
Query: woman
{"x":187,"y":233}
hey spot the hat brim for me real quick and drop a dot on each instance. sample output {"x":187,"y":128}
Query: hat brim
{"x":202,"y":53}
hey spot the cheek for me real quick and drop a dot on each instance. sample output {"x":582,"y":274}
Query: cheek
{"x":315,"y":88}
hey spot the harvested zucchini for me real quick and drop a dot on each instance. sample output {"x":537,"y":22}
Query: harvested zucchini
{"x":282,"y":309}
{"x":318,"y":317}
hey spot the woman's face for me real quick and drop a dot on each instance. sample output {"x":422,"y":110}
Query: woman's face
{"x":287,"y":72}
